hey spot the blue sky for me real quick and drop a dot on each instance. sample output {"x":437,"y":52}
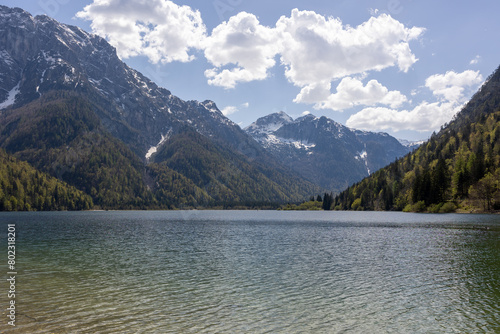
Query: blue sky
{"x":400,"y":66}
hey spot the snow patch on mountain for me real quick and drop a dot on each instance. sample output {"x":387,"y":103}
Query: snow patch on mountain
{"x":11,"y":97}
{"x":153,"y":149}
{"x":6,"y":58}
{"x":270,"y":140}
{"x":265,"y":129}
{"x":267,"y":125}
{"x":363,"y":156}
{"x":411,"y":144}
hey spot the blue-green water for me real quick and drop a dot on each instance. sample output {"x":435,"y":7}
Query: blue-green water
{"x":253,"y":272}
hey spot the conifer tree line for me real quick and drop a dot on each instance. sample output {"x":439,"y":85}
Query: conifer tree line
{"x":23,"y":188}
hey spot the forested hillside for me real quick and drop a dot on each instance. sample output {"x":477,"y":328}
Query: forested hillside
{"x":23,"y":188}
{"x":459,"y":167}
{"x":61,"y":135}
{"x":228,"y":177}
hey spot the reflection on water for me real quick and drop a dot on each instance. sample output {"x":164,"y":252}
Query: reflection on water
{"x":254,"y":272}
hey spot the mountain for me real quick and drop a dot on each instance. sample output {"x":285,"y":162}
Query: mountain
{"x":459,"y":167}
{"x":40,"y":55}
{"x":73,"y":109}
{"x":411,"y":144}
{"x":323,"y":151}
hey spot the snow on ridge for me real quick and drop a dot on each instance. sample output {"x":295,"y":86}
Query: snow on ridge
{"x":212,"y":109}
{"x":267,"y":128}
{"x":62,"y":41}
{"x":270,"y":123}
{"x":270,"y":127}
{"x":298,"y":144}
{"x":410,"y":144}
{"x":95,"y":82}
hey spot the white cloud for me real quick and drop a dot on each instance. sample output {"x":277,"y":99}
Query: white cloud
{"x":318,"y":49}
{"x":451,"y":85}
{"x":475,"y":60}
{"x":426,"y":116}
{"x":244,"y":44}
{"x":158,"y":29}
{"x":229,"y":110}
{"x":315,"y":50}
{"x":350,"y":93}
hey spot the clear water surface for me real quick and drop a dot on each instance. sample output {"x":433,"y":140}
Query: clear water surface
{"x":253,"y":272}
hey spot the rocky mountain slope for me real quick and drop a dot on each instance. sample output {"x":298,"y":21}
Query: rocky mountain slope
{"x":324,"y":151}
{"x":40,"y":55}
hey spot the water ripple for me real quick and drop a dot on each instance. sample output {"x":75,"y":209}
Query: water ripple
{"x":220,"y":273}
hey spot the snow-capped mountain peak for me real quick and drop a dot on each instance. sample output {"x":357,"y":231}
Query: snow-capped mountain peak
{"x":411,"y":144}
{"x":268,"y":124}
{"x":323,"y":151}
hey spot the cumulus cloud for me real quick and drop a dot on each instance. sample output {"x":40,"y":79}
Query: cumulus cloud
{"x":318,"y":49}
{"x":425,"y":117}
{"x":158,"y":29}
{"x":245,"y":45}
{"x":350,"y":93}
{"x":451,"y":85}
{"x":448,"y":87}
{"x":314,"y":50}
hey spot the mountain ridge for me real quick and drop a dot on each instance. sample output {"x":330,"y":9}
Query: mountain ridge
{"x":80,"y":93}
{"x":323,"y":151}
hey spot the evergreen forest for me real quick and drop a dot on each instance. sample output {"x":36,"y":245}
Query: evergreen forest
{"x":457,"y":168}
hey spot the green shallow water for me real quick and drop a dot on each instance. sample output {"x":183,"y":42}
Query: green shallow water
{"x":253,"y":272}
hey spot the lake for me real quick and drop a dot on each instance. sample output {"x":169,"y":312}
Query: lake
{"x":252,"y":272}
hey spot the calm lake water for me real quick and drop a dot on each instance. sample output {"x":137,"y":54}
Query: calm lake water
{"x":253,"y":272}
